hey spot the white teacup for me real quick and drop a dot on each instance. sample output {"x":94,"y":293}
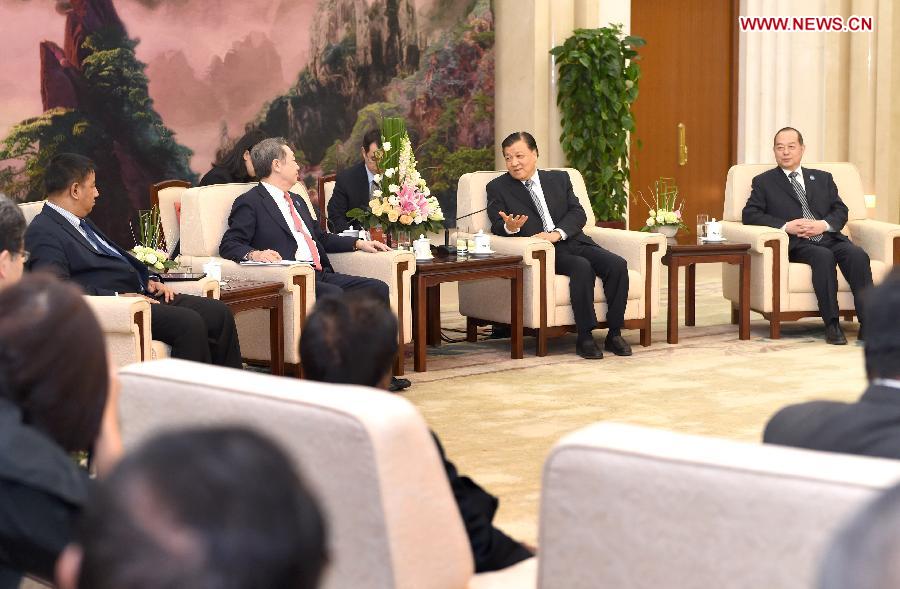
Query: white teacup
{"x":482,"y":242}
{"x":714,"y":231}
{"x":213,"y":269}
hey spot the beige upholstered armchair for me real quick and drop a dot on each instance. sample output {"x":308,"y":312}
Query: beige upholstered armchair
{"x":204,"y":219}
{"x":367,"y":456}
{"x":782,"y":290}
{"x":630,"y":506}
{"x":167,"y":196}
{"x":548,"y":311}
{"x":126,"y":320}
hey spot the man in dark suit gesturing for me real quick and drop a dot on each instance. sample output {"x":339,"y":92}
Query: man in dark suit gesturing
{"x":353,"y":186}
{"x":542,"y":204}
{"x":805,"y":203}
{"x":62,"y":241}
{"x":269,"y":223}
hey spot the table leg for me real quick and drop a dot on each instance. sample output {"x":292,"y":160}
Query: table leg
{"x":690,"y":284}
{"x":744,"y":328}
{"x":420,"y":309}
{"x":516,"y":312}
{"x":276,"y":336}
{"x":672,"y":324}
{"x":433,"y":336}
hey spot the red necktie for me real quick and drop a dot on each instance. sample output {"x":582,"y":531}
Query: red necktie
{"x":298,"y":225}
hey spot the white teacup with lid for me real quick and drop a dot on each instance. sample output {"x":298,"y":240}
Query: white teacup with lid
{"x":422,"y":248}
{"x":714,"y":231}
{"x":482,"y":243}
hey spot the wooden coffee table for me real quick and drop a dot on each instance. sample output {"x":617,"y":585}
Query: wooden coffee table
{"x":426,"y":283}
{"x":244,"y":295}
{"x":691,"y":255}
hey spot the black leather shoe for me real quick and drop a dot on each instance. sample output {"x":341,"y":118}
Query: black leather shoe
{"x":617,"y":345}
{"x":859,"y":336}
{"x":588,"y":350}
{"x":398,"y":384}
{"x":834,"y":335}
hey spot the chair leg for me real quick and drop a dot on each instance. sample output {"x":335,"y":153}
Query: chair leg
{"x":735,"y":315}
{"x":774,"y":327}
{"x":542,"y":342}
{"x":471,"y":330}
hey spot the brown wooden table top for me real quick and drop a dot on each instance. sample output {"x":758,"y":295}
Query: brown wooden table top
{"x":695,"y":249}
{"x":234,"y":289}
{"x":465,"y":262}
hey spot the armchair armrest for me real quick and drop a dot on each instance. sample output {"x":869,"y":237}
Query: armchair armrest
{"x":380,"y":265}
{"x":125,"y":322}
{"x":631,"y":245}
{"x":877,"y":238}
{"x":755,"y":235}
{"x":205,"y":287}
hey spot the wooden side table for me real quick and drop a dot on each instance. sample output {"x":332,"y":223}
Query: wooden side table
{"x":427,"y":296}
{"x":244,"y":295}
{"x":691,"y":255}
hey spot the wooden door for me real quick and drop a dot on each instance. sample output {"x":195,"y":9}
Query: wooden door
{"x":688,"y":77}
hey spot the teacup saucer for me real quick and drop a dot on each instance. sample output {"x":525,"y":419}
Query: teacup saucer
{"x":481,"y":252}
{"x":711,"y":240}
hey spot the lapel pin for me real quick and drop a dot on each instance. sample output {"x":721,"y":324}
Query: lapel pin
{"x":811,"y":177}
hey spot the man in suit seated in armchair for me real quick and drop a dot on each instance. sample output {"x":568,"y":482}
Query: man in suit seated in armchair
{"x":63,"y":241}
{"x":529,"y":202}
{"x":269,"y":223}
{"x":12,"y":243}
{"x":353,"y":186}
{"x":805,"y":203}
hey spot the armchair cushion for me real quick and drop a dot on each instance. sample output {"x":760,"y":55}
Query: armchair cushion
{"x":629,"y":506}
{"x":367,"y":456}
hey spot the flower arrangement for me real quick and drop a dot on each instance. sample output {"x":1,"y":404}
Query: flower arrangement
{"x":406,"y":203}
{"x":664,"y":210}
{"x":148,"y":250}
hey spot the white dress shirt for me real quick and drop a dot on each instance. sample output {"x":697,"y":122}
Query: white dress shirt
{"x":302,"y":254}
{"x":536,"y":188}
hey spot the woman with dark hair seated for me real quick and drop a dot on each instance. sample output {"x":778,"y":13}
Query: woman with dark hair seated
{"x":57,"y":396}
{"x":233,"y":163}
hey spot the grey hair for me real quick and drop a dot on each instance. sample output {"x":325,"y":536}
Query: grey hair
{"x":265,"y":152}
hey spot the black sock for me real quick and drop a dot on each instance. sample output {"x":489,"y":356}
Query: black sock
{"x":614,"y":331}
{"x":584,"y":337}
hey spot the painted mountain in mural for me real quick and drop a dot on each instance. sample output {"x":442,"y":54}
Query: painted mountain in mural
{"x":95,"y":102}
{"x":368,"y":61}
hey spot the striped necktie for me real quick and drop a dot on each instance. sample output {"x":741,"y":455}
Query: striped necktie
{"x":804,"y":204}
{"x":537,"y":204}
{"x":301,"y":229}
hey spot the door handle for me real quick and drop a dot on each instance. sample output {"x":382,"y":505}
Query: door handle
{"x":682,"y":145}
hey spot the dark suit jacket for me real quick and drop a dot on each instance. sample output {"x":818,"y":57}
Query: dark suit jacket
{"x":870,"y":427}
{"x":509,"y":195}
{"x":256,"y":223}
{"x":351,"y":190}
{"x":56,"y":246}
{"x":773,"y":201}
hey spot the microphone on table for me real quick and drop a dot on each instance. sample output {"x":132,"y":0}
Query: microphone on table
{"x":450,"y":250}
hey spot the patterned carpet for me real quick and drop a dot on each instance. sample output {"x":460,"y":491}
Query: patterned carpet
{"x":498,"y":418}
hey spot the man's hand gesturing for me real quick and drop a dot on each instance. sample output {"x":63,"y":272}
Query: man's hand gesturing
{"x":513,"y":222}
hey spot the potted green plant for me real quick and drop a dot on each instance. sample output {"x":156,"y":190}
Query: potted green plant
{"x":598,"y":83}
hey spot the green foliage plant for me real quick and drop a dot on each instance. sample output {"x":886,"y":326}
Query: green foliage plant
{"x":598,"y":83}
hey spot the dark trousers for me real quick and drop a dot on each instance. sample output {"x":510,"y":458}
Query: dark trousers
{"x":824,"y":257}
{"x":583,"y":263}
{"x":198,"y":329}
{"x":335,"y":284}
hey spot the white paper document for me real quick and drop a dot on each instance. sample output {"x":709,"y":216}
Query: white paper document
{"x":278,"y":263}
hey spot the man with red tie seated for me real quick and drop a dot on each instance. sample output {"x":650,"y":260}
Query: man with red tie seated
{"x":62,"y":241}
{"x":269,"y":224}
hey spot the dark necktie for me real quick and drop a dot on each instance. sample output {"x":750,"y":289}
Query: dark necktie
{"x":804,"y":204}
{"x":537,"y":204}
{"x":103,"y":248}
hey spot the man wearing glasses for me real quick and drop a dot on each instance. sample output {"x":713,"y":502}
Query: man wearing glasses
{"x":12,"y":243}
{"x":353,"y":186}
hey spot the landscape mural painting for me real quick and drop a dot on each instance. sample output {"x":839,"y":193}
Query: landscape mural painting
{"x":152,"y":89}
